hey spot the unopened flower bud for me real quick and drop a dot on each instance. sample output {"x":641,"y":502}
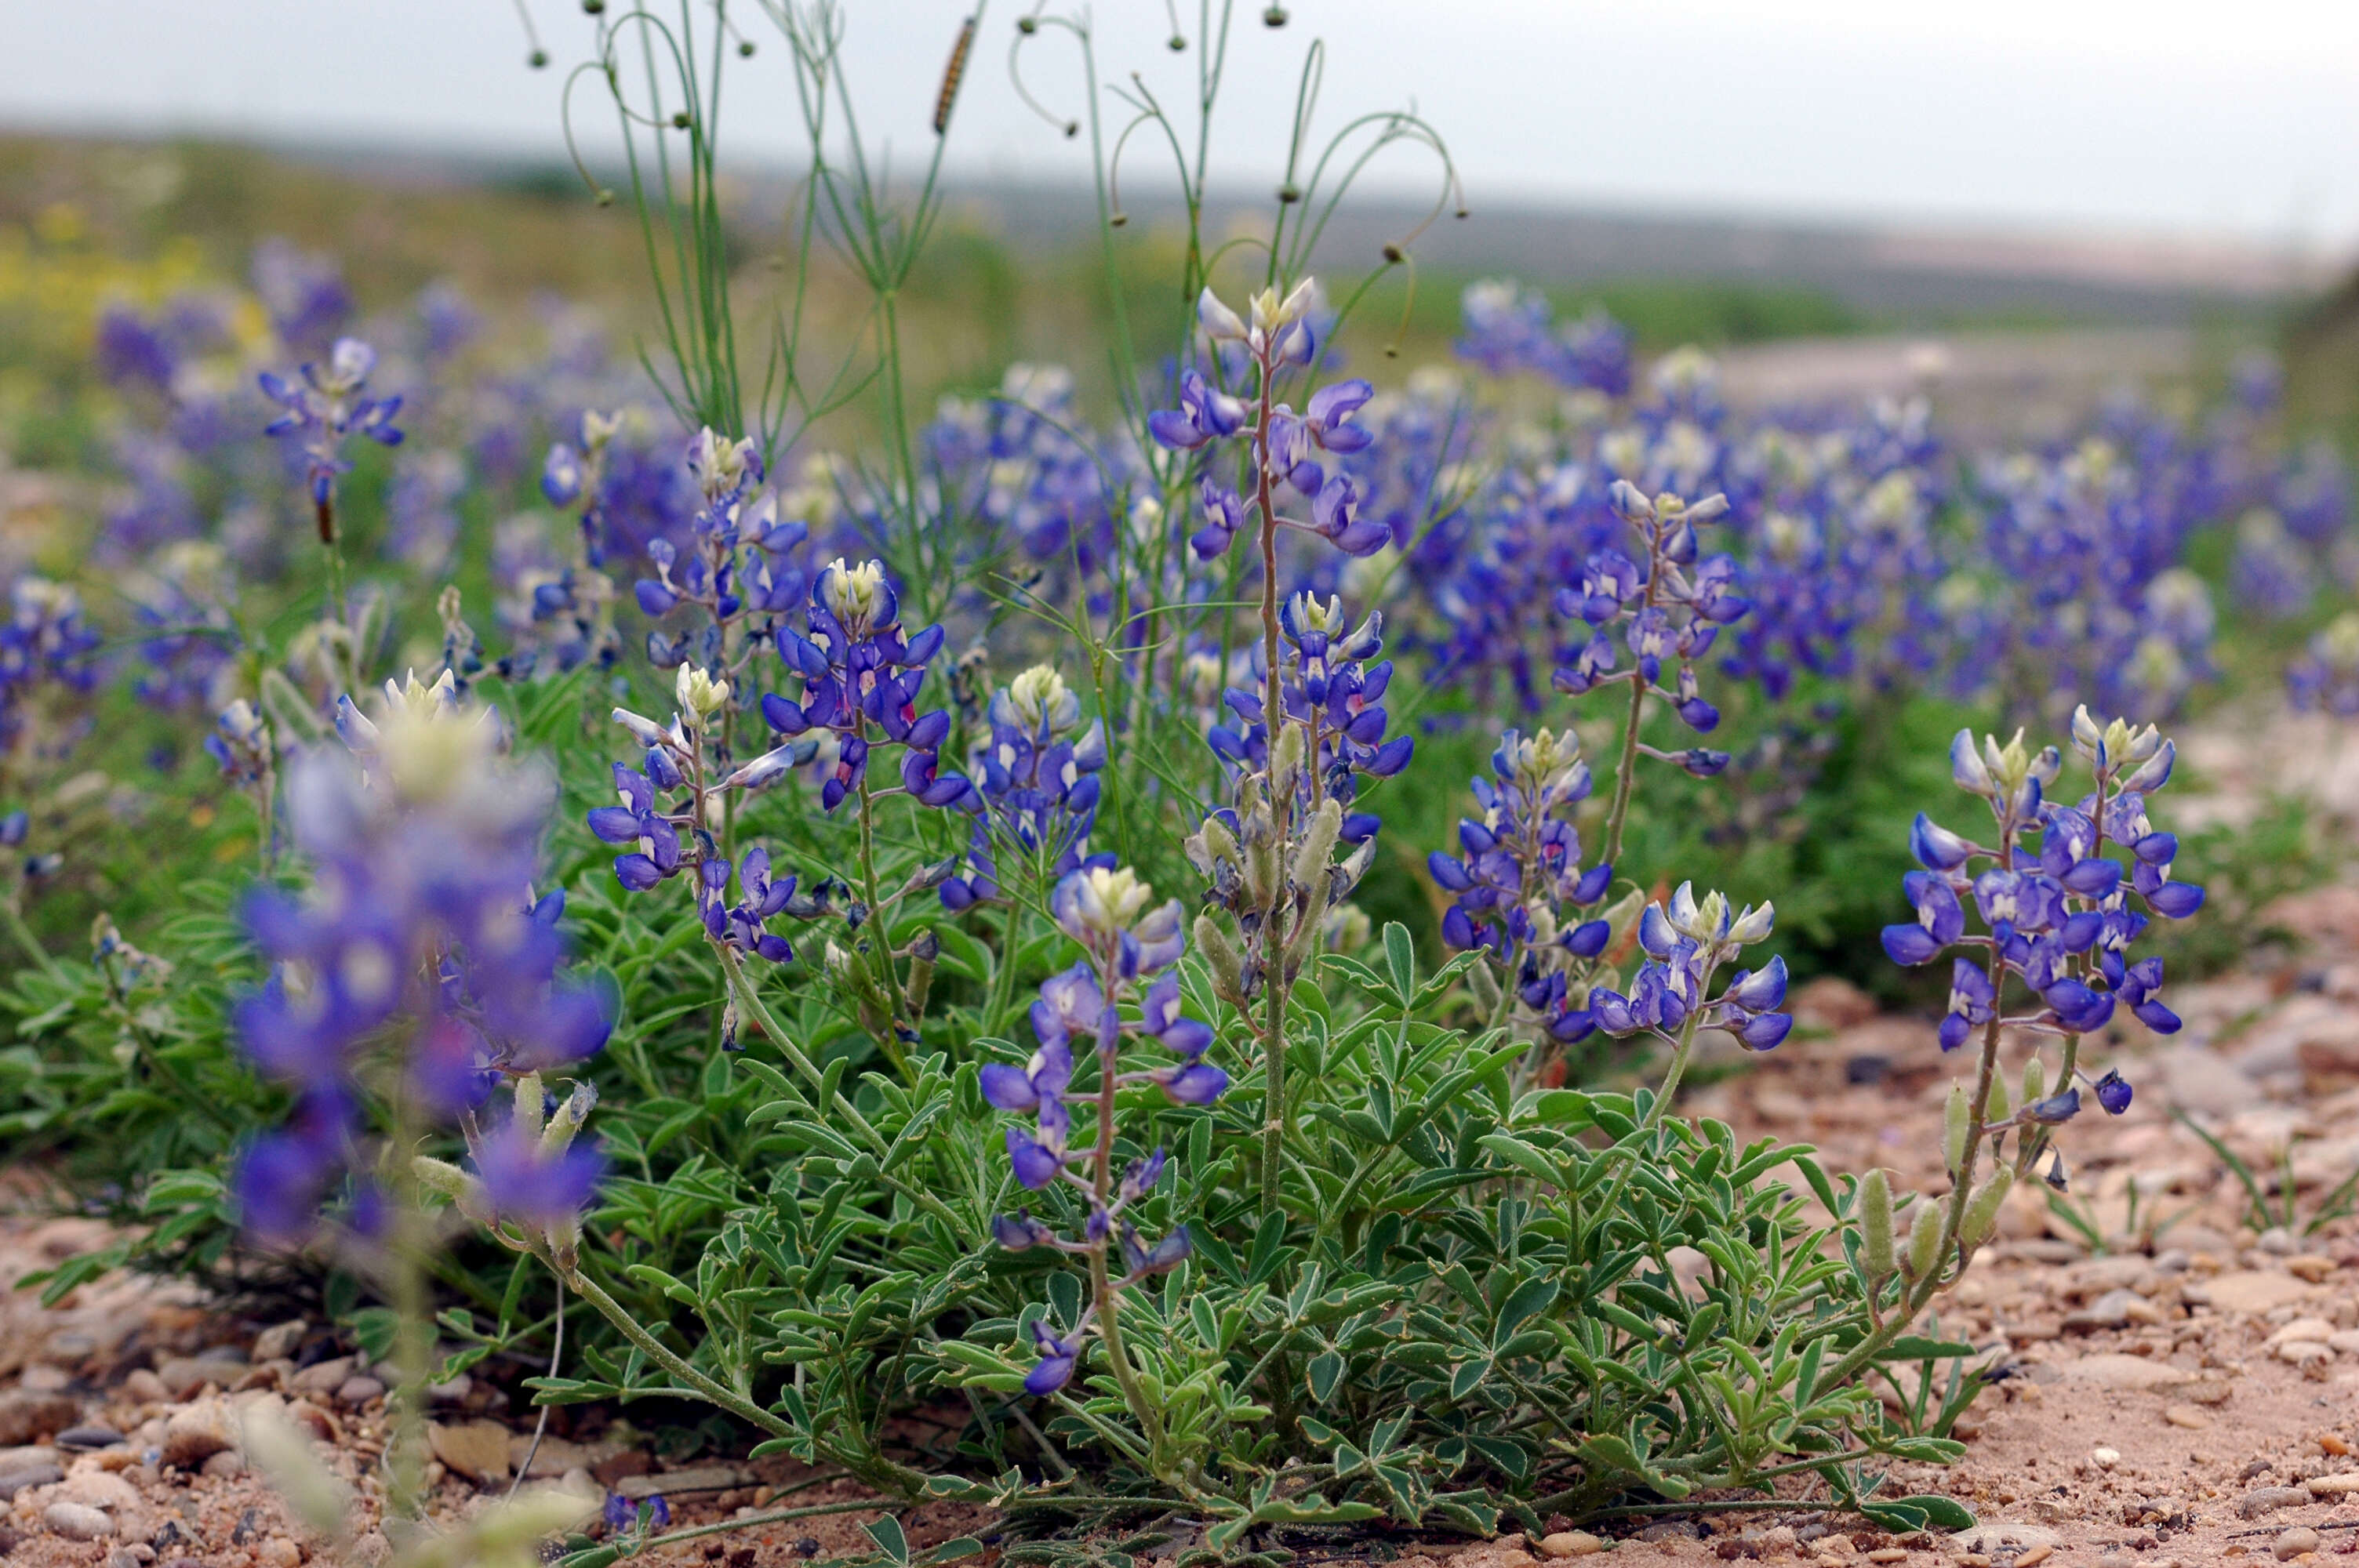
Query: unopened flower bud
{"x":1875,"y":1225}
{"x":1318,"y":844}
{"x":1924,"y":1240}
{"x":1982,"y":1210}
{"x":1957,"y":1119}
{"x":1228,"y":968}
{"x":2035,"y":1082}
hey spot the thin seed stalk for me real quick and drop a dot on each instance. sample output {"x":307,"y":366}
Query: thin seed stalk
{"x":1101,"y":1289}
{"x":1273,"y":942}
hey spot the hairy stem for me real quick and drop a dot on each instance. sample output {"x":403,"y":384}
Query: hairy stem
{"x":1272,"y":939}
{"x":1101,"y":1286}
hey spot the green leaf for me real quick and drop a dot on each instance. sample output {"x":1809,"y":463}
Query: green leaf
{"x":1323,"y":1373}
{"x":1900,"y":1519}
{"x":890,"y":1539}
{"x":1918,"y":1348}
{"x":1947,"y":1512}
{"x":1400,"y":956}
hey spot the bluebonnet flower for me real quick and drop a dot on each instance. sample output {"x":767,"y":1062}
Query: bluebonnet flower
{"x":1285,"y":452}
{"x":1509,"y":329}
{"x":1519,"y":889}
{"x":2326,"y":676}
{"x":1669,"y":611}
{"x":421,"y":937}
{"x":860,"y":681}
{"x":2058,"y":917}
{"x":46,"y":642}
{"x":650,"y":1512}
{"x":1686,"y":942}
{"x":1130,"y":945}
{"x":324,"y":410}
{"x":1036,"y":785}
{"x":2272,"y":573}
{"x":303,"y":294}
{"x":1335,"y":697}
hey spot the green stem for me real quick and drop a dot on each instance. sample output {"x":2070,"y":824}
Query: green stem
{"x":1675,"y":1071}
{"x":1101,"y":1286}
{"x":1623,"y":771}
{"x":23,"y":933}
{"x":1273,"y":1135}
{"x":663,"y":1356}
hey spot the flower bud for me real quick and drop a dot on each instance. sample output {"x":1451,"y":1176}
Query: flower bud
{"x":1286,"y":761}
{"x":1485,"y":987}
{"x":1228,"y":968}
{"x":1982,"y":1210}
{"x":1994,"y":1108}
{"x":1924,"y":1240}
{"x":2035,"y":1082}
{"x":1957,"y":1120}
{"x":1875,"y":1225}
{"x":1318,"y":844}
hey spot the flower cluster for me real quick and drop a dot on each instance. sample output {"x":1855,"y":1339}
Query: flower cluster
{"x":1335,"y":698}
{"x":325,"y":409}
{"x":736,"y":566}
{"x":861,"y":679}
{"x":1036,"y":785}
{"x":1286,"y":452}
{"x":2056,"y":915}
{"x":1509,"y":329}
{"x":420,"y":963}
{"x":1668,"y":610}
{"x":1684,"y":944}
{"x":666,"y":836}
{"x":2326,"y":676}
{"x":1518,"y":889}
{"x":45,"y":642}
{"x":1131,"y":944}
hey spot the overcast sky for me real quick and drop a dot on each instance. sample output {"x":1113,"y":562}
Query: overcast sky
{"x":2169,"y":116}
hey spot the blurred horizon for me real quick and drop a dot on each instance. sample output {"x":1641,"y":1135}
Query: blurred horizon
{"x":2168,"y":128}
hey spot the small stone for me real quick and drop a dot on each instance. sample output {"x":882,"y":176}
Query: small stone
{"x":2253,"y":1290}
{"x":2111,"y":1310}
{"x":2210,"y":1390}
{"x":15,"y":1481}
{"x":2304,"y":1353}
{"x":2344,"y":1340}
{"x":143,"y":1387}
{"x":2330,"y":1443}
{"x":184,"y":1377}
{"x":281,"y":1340}
{"x":1570,"y":1543}
{"x":2268,"y":1499}
{"x":195,"y":1434}
{"x":2294,"y":1542}
{"x":2116,"y":1369}
{"x":88,"y":1439}
{"x":279,"y":1551}
{"x":358,"y":1390}
{"x":97,"y":1488}
{"x":1888,"y":1555}
{"x":2301,"y":1330}
{"x":2186,"y":1416}
{"x":2311,"y":1266}
{"x":322,"y":1426}
{"x":78,"y":1521}
{"x":26,"y":1414}
{"x":2036,"y":1555}
{"x":128,"y":1557}
{"x":2342,"y":1486}
{"x":2104,"y":1458}
{"x":44,"y":1379}
{"x":476,"y":1449}
{"x":322,"y":1377}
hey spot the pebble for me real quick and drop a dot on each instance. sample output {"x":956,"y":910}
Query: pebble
{"x":2294,"y":1542}
{"x":2253,"y":1290}
{"x":143,"y":1387}
{"x":2345,"y":1340}
{"x":2036,"y":1555}
{"x":2314,"y":1330}
{"x":28,"y":1413}
{"x":2104,"y":1458}
{"x":2186,"y":1416}
{"x":1570,"y":1543}
{"x":2116,"y":1369}
{"x":281,"y":1340}
{"x":2342,"y":1486}
{"x":193,"y":1435}
{"x":476,"y":1449}
{"x":44,"y":1379}
{"x":2268,"y":1499}
{"x":323,"y":1377}
{"x":88,"y":1439}
{"x":359,"y":1389}
{"x":2304,"y":1353}
{"x":183,"y":1376}
{"x":15,"y":1481}
{"x":223,"y":1466}
{"x":279,"y":1551}
{"x":78,"y":1521}
{"x":2310,"y":1266}
{"x":695,"y":1478}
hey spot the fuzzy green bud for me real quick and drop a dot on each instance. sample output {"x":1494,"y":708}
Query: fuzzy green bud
{"x":1286,"y":761}
{"x":1875,"y":1225}
{"x":2035,"y":1082}
{"x":1485,"y":987}
{"x":1318,"y":844}
{"x":1924,"y":1240}
{"x":1957,"y":1121}
{"x":1994,"y":1108}
{"x":1228,"y":968}
{"x":1982,"y":1210}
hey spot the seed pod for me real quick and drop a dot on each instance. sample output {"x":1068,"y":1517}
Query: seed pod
{"x":1924,"y":1240}
{"x":921,"y":984}
{"x":2035,"y":1082}
{"x":1228,"y":969}
{"x":1875,"y":1225}
{"x":1214,"y":842}
{"x":1995,"y":1108}
{"x":1318,"y":844}
{"x":1261,"y":872}
{"x":1982,"y":1210}
{"x":1957,"y":1120}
